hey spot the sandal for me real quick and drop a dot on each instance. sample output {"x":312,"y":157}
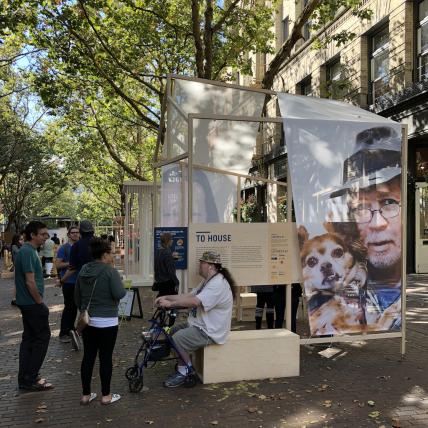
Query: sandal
{"x":86,"y":401}
{"x":114,"y":398}
{"x":38,"y":386}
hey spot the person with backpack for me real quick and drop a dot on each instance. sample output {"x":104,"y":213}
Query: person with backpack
{"x":62,"y":262}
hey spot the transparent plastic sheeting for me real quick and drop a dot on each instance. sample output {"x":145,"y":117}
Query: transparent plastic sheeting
{"x":217,"y":143}
{"x":214,"y":196}
{"x":303,"y":107}
{"x":317,"y":149}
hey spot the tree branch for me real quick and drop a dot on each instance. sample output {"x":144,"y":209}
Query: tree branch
{"x":106,"y":76}
{"x":226,"y":15}
{"x":208,"y":39}
{"x":15,"y":91}
{"x":4,"y":62}
{"x":284,"y":53}
{"x":110,"y":149}
{"x":110,"y":52}
{"x":197,"y":38}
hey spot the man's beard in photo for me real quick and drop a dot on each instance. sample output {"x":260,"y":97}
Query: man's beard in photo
{"x":386,"y":258}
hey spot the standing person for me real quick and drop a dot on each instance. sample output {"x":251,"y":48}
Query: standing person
{"x":280,"y":301}
{"x":99,"y":285}
{"x":17,"y":242}
{"x":35,"y":314}
{"x":112,"y":243}
{"x":55,"y":239}
{"x":62,"y":262}
{"x":79,"y":255}
{"x":210,"y":318}
{"x":166,"y":281}
{"x":47,"y":256}
{"x":265,"y":296}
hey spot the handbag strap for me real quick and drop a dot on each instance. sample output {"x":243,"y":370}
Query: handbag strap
{"x":92,"y":293}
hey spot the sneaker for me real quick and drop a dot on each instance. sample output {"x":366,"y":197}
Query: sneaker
{"x":75,"y":340}
{"x":65,"y":338}
{"x":175,"y":380}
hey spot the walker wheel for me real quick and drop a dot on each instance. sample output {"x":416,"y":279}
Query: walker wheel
{"x":136,"y":385}
{"x":132,"y":373}
{"x":191,"y":381}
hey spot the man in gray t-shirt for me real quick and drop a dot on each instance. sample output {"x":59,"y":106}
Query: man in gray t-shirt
{"x":210,"y":317}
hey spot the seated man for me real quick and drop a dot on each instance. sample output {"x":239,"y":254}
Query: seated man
{"x":209,"y":320}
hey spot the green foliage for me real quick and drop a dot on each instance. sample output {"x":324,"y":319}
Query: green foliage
{"x":327,"y":11}
{"x":99,"y":68}
{"x":250,"y":212}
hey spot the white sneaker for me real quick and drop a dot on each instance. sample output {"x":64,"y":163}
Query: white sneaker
{"x":75,"y":340}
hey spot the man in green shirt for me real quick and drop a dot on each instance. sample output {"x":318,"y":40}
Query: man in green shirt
{"x":30,"y":288}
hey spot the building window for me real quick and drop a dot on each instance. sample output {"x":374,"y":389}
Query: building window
{"x":421,"y":164}
{"x":305,"y":87}
{"x":334,"y":80}
{"x":379,"y":62}
{"x":285,"y":28}
{"x":423,"y":41}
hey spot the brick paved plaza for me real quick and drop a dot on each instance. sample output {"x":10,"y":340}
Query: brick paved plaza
{"x":364,"y":384}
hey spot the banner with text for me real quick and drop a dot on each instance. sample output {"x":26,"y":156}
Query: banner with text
{"x":254,"y":253}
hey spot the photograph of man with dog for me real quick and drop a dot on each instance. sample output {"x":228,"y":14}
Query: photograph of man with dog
{"x":351,"y":257}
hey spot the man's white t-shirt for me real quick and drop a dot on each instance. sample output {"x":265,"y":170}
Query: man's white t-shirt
{"x":214,"y":317}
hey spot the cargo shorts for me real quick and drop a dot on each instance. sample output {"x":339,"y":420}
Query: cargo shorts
{"x":190,"y":338}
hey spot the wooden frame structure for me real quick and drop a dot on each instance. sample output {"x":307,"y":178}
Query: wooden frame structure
{"x":187,"y":159}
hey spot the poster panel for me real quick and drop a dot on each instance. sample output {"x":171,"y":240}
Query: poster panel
{"x":255,"y":254}
{"x":179,"y":244}
{"x":126,"y":303}
{"x":346,"y":181}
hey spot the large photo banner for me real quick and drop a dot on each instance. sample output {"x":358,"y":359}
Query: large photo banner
{"x":346,"y":182}
{"x":255,"y":253}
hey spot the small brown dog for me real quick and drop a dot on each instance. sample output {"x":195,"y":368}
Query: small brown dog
{"x":334,"y":275}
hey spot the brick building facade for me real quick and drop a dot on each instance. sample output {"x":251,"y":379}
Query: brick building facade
{"x":383,"y":69}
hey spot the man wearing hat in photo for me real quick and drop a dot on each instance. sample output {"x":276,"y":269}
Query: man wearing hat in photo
{"x":79,"y":255}
{"x":210,"y":317}
{"x":372,"y":185}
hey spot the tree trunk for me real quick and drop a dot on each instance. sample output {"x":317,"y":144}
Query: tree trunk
{"x":283,"y":54}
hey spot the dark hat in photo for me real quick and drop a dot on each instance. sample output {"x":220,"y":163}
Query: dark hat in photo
{"x":376,"y":160}
{"x":85,"y":226}
{"x":211,"y":257}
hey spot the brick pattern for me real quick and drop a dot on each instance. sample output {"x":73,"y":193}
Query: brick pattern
{"x":331,"y":392}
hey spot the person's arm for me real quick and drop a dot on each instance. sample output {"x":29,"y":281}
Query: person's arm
{"x":71,"y":266}
{"x":67,"y":274}
{"x":117,"y":289}
{"x":77,"y":297}
{"x":60,"y":263}
{"x":178,"y":301}
{"x":30,"y":282}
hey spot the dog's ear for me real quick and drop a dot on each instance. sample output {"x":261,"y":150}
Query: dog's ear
{"x":329,"y":227}
{"x":302,"y":235}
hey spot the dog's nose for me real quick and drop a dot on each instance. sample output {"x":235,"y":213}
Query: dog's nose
{"x":326,"y":267}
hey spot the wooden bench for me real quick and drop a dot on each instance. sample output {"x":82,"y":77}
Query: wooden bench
{"x":250,"y":355}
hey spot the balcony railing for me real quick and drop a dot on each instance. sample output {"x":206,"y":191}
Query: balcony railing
{"x":391,"y":99}
{"x":386,"y":97}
